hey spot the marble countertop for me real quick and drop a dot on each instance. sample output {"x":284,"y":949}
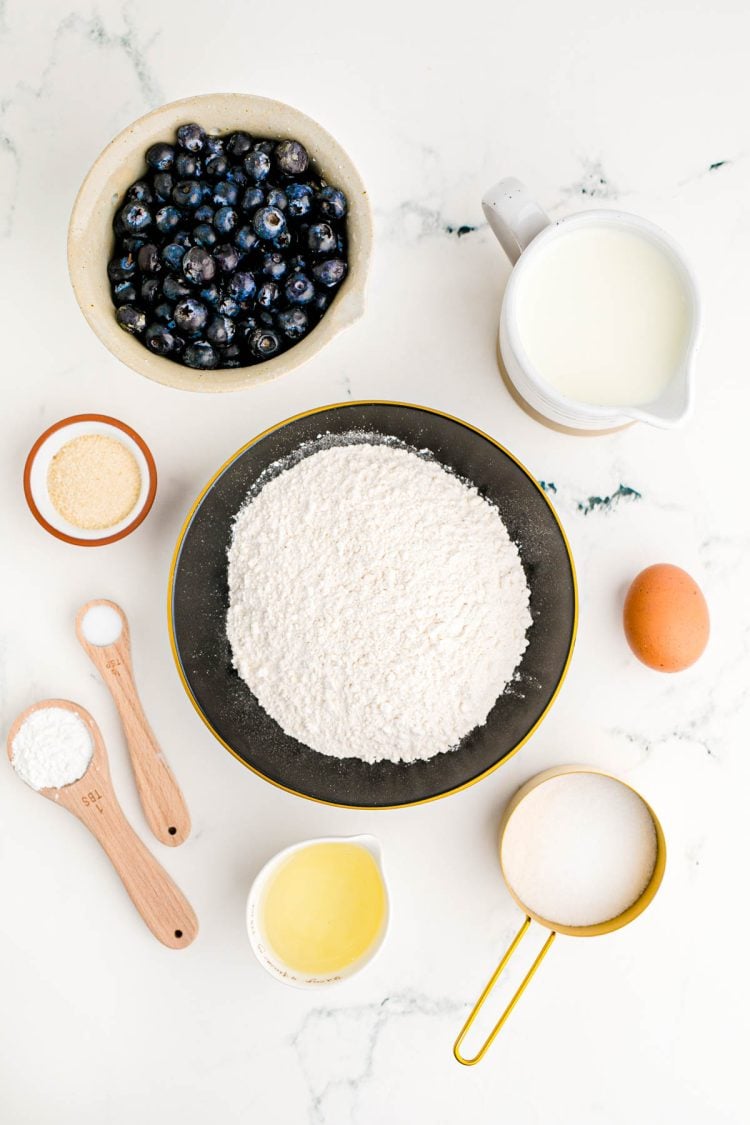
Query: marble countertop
{"x":640,"y":106}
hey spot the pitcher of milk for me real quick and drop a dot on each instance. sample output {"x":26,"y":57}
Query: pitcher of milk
{"x":600,"y":319}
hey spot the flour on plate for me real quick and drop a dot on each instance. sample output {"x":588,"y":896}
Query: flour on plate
{"x":377,"y":605}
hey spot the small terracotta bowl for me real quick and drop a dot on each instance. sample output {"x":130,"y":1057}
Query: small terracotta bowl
{"x":91,"y":239}
{"x":37,"y":467}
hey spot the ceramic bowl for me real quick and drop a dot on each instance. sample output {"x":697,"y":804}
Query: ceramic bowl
{"x":259,"y":943}
{"x":37,"y":467}
{"x":91,"y":240}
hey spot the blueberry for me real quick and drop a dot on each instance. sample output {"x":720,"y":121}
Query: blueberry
{"x":293,"y":323}
{"x":163,"y":185}
{"x":187,"y":193}
{"x":231,"y":356}
{"x":274,"y":265}
{"x":131,"y":319}
{"x":198,"y":266}
{"x":159,"y":339}
{"x":122,"y":268}
{"x":246,"y":327}
{"x":300,"y":197}
{"x":241,"y":286}
{"x":150,"y":291}
{"x":297,"y":263}
{"x":267,"y":295}
{"x":183,"y":239}
{"x":227,"y":258}
{"x":148,"y":259}
{"x":174,"y":288}
{"x":135,"y":217}
{"x":239,"y":144}
{"x":331,"y":202}
{"x":245,"y":238}
{"x":124,"y":293}
{"x":269,"y":222}
{"x":187,"y":166}
{"x":164,"y":311}
{"x":264,"y":146}
{"x":322,"y":300}
{"x":191,"y":137}
{"x":266,"y":318}
{"x":237,"y":176}
{"x":221,"y":330}
{"x":201,"y":355}
{"x":173,"y":254}
{"x":211,"y":295}
{"x":253,"y":199}
{"x":190,"y":316}
{"x":321,"y":239}
{"x":282,"y":241}
{"x":132,"y":243}
{"x":277,"y":198}
{"x":141,"y":192}
{"x":330,"y":272}
{"x":160,"y":156}
{"x":204,"y":235}
{"x":229,"y":307}
{"x":225,"y":194}
{"x":257,"y":165}
{"x":225,"y":220}
{"x":299,"y":290}
{"x":168,"y":219}
{"x":213,"y":144}
{"x":264,"y":343}
{"x":217,"y":165}
{"x":292,"y":158}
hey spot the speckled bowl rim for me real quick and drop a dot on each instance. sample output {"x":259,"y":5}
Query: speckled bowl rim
{"x":105,"y":539}
{"x":114,"y":170}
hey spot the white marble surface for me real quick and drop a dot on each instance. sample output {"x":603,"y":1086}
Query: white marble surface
{"x":640,"y":105}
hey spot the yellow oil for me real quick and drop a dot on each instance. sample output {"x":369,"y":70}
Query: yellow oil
{"x":324,"y":907}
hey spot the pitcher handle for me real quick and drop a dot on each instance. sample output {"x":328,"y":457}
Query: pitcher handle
{"x":515,"y":218}
{"x":488,"y":989}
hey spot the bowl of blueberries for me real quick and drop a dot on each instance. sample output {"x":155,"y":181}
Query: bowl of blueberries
{"x":220,"y":241}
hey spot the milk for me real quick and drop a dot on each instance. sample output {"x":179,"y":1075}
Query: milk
{"x":604,"y":316}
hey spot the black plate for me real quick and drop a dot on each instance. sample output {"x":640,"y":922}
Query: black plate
{"x":199,"y":600}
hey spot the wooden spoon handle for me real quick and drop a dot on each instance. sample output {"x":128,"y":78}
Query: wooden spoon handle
{"x":161,"y":797}
{"x":158,"y":900}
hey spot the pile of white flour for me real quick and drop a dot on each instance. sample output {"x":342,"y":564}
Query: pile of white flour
{"x":377,"y":606}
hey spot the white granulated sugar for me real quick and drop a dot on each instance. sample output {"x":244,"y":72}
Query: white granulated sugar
{"x":377,"y":606}
{"x":52,"y":748}
{"x":579,"y":849}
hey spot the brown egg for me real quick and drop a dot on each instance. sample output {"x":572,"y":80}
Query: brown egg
{"x":666,"y":618}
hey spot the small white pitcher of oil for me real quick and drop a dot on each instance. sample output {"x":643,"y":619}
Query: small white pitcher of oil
{"x":318,"y":911}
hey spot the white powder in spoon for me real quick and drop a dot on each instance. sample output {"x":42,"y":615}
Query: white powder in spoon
{"x":579,"y":849}
{"x":377,"y":605}
{"x":52,"y":748}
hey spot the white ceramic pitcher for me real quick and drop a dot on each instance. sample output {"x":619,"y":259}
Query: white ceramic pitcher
{"x":523,"y":229}
{"x":267,"y":956}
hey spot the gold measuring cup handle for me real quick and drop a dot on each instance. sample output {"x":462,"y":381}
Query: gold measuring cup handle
{"x":488,"y":989}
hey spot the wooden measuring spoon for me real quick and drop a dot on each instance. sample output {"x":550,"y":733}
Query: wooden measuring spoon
{"x":161,"y":796}
{"x":161,"y":904}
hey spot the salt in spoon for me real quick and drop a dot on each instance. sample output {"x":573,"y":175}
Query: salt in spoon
{"x":161,"y":904}
{"x":102,"y":629}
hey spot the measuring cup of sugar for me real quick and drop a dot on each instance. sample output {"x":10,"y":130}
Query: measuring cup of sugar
{"x":601,"y":316}
{"x":582,"y":854}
